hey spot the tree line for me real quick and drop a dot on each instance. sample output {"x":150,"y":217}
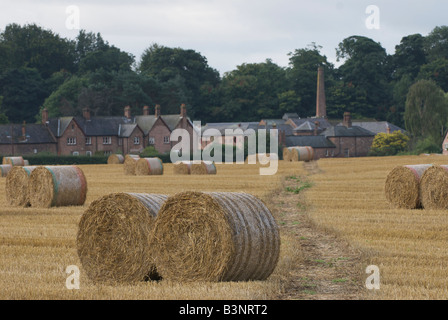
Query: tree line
{"x":38,"y":68}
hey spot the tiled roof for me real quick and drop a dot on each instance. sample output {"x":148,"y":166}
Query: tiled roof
{"x":34,"y":134}
{"x":377,"y":126}
{"x":309,"y":141}
{"x":343,"y":131}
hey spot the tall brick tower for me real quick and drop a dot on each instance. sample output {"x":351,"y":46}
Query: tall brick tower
{"x":321,"y":105}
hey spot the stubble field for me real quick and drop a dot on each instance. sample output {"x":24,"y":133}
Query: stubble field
{"x":331,"y":230}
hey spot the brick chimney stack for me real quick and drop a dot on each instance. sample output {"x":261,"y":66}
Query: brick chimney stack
{"x":183,"y":110}
{"x":157,"y":112}
{"x":44,"y":116}
{"x":146,"y":111}
{"x":321,"y":104}
{"x":127,"y":112}
{"x":316,"y":127}
{"x":388,"y":129}
{"x":347,"y":120}
{"x":86,"y":113}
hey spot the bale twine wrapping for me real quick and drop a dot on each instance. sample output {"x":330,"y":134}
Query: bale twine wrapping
{"x":5,"y":169}
{"x":113,"y":237}
{"x":14,"y":161}
{"x":434,"y":187}
{"x":149,"y":166}
{"x":182,"y":167}
{"x":16,"y":188}
{"x":115,"y":159}
{"x":302,"y":154}
{"x":218,"y":236}
{"x":130,"y":162}
{"x":402,"y":187}
{"x":55,"y":186}
{"x":205,"y":167}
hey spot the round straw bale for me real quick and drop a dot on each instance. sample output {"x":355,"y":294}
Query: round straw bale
{"x":402,"y":187}
{"x":182,"y":167}
{"x":16,"y":188}
{"x":55,"y":186}
{"x":215,"y":237}
{"x":149,"y":166}
{"x":130,"y":162}
{"x":26,"y":163}
{"x":205,"y":167}
{"x":434,"y":187}
{"x":115,"y":159}
{"x":302,"y":153}
{"x":114,"y":235}
{"x":286,"y":154}
{"x":14,"y":161}
{"x":5,"y":169}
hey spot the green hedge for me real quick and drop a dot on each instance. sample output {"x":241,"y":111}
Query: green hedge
{"x":38,"y":160}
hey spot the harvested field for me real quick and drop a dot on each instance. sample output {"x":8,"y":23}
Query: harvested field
{"x":333,"y":224}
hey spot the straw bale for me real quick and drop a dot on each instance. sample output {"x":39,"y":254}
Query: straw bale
{"x":5,"y":169}
{"x":149,"y":166}
{"x":113,"y":239}
{"x":55,"y":186}
{"x":301,"y":153}
{"x":115,"y":159}
{"x":434,"y":187}
{"x":14,"y":161}
{"x":205,"y":167}
{"x":182,"y":167}
{"x":217,"y":236}
{"x":287,"y":154}
{"x":402,"y":187}
{"x":16,"y":188}
{"x":130,"y":162}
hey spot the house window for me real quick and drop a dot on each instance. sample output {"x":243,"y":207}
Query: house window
{"x":71,"y":141}
{"x":446,"y":146}
{"x":166,"y":139}
{"x":327,"y":153}
{"x":136,"y":140}
{"x":120,"y":141}
{"x":75,"y":153}
{"x":35,"y":150}
{"x":89,"y":153}
{"x":152,"y":141}
{"x":107,"y":140}
{"x":88,"y":140}
{"x":347,"y":153}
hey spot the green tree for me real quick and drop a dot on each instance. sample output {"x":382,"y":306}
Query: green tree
{"x":436,"y":43}
{"x":367,"y":69}
{"x":186,"y":68}
{"x":436,"y":70}
{"x":302,"y":76}
{"x":409,"y":56}
{"x":3,"y":117}
{"x":252,"y":91}
{"x":23,"y":91}
{"x":389,"y":144}
{"x":426,"y":110}
{"x":31,"y":46}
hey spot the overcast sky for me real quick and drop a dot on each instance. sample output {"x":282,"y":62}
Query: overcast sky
{"x":231,"y":32}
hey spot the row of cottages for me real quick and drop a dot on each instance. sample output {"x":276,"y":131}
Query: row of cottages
{"x":88,"y":135}
{"x":329,"y":138}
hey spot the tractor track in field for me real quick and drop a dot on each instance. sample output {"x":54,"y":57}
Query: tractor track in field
{"x":326,"y":268}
